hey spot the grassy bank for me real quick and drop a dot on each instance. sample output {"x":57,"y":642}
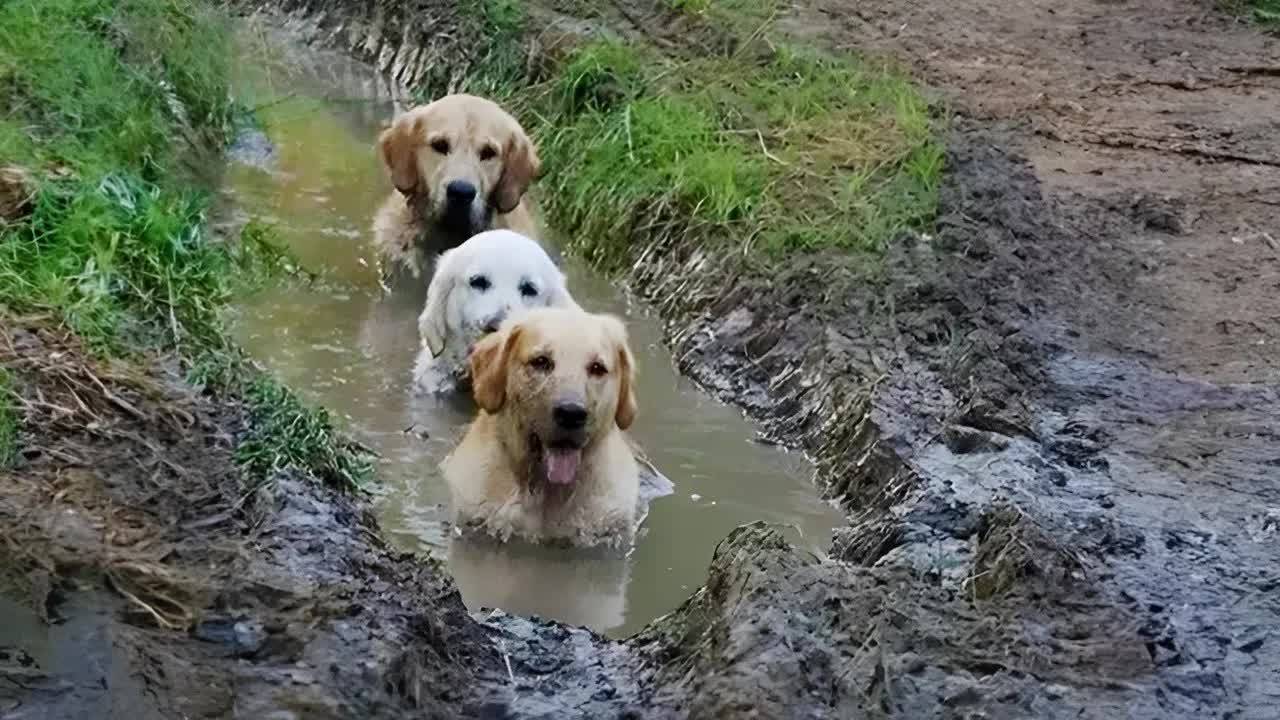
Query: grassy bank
{"x":108,"y":109}
{"x":748,"y":141}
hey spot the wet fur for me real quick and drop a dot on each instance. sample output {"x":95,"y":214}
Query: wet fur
{"x":408,"y":228}
{"x":493,"y":473}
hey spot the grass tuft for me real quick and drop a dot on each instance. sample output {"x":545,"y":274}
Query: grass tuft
{"x":118,"y":257}
{"x":282,"y":433}
{"x":285,"y":434}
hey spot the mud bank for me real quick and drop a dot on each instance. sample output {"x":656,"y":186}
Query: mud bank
{"x":1056,"y":510}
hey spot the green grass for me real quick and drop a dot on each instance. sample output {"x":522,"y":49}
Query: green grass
{"x":101,"y":99}
{"x":1264,"y":12}
{"x":105,"y":104}
{"x":284,"y":434}
{"x":10,"y":422}
{"x":776,"y":153}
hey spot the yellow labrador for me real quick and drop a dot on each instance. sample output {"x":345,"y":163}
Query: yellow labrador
{"x":547,"y":458}
{"x":460,"y":165}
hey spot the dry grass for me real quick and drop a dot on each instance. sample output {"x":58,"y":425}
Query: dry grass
{"x":117,"y":468}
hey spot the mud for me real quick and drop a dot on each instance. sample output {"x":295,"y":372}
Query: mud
{"x":1053,"y":422}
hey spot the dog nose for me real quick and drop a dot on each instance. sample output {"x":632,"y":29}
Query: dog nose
{"x":492,"y":324}
{"x":460,"y":192}
{"x":570,"y":415}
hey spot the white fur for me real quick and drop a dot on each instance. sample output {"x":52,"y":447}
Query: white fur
{"x":457,"y":313}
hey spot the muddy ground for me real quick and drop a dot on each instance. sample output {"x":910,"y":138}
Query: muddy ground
{"x":1055,"y":423}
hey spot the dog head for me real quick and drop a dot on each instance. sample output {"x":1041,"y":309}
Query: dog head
{"x":478,"y":284}
{"x":562,"y":379}
{"x":459,"y":160}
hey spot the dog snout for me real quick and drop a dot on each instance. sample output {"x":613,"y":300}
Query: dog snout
{"x":570,"y":415}
{"x":460,"y":192}
{"x":493,"y":322}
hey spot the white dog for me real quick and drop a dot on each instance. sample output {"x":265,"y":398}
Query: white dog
{"x":474,"y":288}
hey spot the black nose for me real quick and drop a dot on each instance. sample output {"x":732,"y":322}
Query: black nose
{"x":570,"y":416}
{"x":460,"y":192}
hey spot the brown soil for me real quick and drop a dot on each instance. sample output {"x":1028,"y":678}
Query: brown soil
{"x":1054,"y":423}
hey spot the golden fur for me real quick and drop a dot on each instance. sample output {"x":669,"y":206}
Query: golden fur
{"x":455,"y":138}
{"x":503,"y":475}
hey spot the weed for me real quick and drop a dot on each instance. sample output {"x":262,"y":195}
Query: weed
{"x":504,"y":16}
{"x":282,"y":432}
{"x":103,"y":86}
{"x":116,"y":255}
{"x":10,"y":422}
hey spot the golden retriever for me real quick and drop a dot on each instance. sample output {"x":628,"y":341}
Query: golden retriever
{"x":460,"y":165}
{"x":547,"y":458}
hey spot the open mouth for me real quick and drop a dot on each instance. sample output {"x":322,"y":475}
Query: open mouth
{"x":558,"y":460}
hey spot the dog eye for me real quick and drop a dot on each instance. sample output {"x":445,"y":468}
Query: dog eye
{"x":480,"y":282}
{"x":542,"y":363}
{"x":440,"y":145}
{"x":528,"y":290}
{"x":597,"y":369}
{"x":488,"y":152}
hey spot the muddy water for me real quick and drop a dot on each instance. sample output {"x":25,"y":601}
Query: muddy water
{"x":340,"y":343}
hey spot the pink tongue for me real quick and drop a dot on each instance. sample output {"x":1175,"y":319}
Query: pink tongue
{"x":562,"y":465}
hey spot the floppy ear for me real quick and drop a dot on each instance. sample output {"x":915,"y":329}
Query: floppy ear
{"x":488,"y":363}
{"x":627,"y":408}
{"x":398,"y":148}
{"x":520,"y":167}
{"x":433,"y":325}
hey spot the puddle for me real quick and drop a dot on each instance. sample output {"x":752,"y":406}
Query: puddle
{"x":340,"y":344}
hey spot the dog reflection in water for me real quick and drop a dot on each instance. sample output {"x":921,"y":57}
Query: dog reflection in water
{"x":578,"y":586}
